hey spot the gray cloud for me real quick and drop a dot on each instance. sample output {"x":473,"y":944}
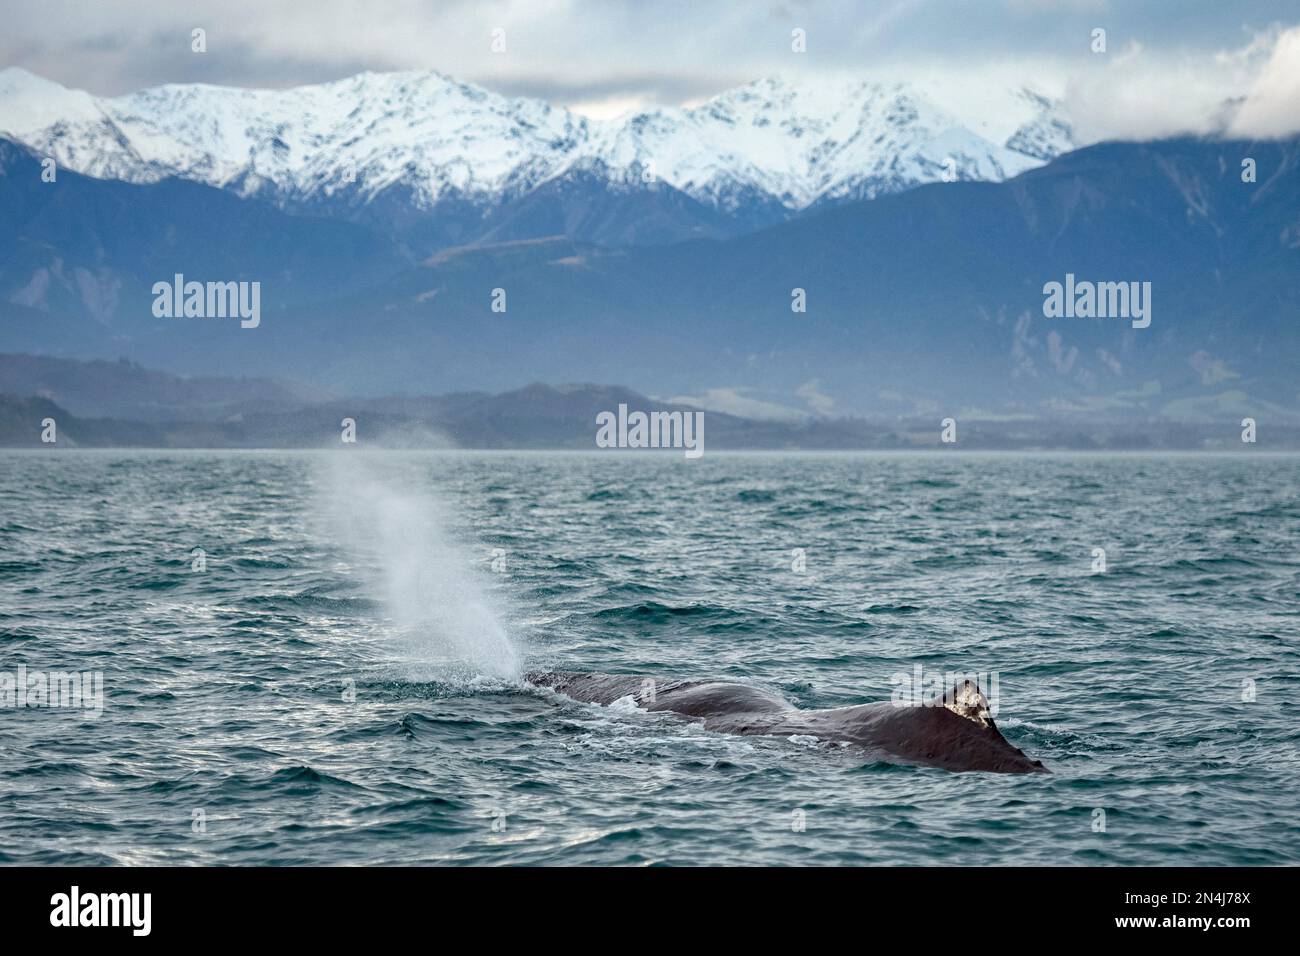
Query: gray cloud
{"x":629,"y":52}
{"x":661,"y":88}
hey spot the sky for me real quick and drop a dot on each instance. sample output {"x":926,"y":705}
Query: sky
{"x":1169,"y":65}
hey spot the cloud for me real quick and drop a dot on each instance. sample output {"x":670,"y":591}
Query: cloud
{"x":1249,"y":91}
{"x":1062,"y":359}
{"x":1110,"y":361}
{"x":811,"y":392}
{"x":1172,"y":68}
{"x":1056,"y":6}
{"x":1272,"y":107}
{"x":619,"y":91}
{"x":734,"y":401}
{"x":1212,"y":370}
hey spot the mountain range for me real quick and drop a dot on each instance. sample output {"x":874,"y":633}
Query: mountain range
{"x":922,"y":298}
{"x":120,"y":404}
{"x":440,"y":162}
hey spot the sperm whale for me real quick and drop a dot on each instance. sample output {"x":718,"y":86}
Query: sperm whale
{"x":954,"y":731}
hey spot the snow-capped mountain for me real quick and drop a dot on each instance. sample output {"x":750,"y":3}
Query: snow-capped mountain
{"x":421,"y":128}
{"x":803,"y":144}
{"x":431,"y":141}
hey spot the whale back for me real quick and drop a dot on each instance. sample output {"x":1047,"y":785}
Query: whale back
{"x":699,"y":699}
{"x":591,"y":688}
{"x":954,"y":731}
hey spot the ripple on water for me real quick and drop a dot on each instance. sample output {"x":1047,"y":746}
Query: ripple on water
{"x":317,"y":717}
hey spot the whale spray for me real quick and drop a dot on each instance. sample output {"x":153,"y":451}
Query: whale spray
{"x":440,"y":616}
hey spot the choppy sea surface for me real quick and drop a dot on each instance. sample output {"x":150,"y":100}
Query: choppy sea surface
{"x":315,"y":658}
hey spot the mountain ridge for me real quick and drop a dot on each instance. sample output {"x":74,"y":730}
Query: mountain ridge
{"x":542,"y":417}
{"x":925,"y":302}
{"x":426,"y":145}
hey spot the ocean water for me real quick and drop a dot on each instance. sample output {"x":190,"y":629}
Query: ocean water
{"x":334,"y":679}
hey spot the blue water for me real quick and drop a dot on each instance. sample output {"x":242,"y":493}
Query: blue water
{"x":339,"y":684}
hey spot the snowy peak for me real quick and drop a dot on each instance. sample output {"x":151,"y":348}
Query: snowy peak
{"x":420,"y":129}
{"x":793,"y":143}
{"x":803,"y":143}
{"x":30,"y":103}
{"x":1047,"y":133}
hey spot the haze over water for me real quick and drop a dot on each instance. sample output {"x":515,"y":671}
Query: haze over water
{"x":341,"y":684}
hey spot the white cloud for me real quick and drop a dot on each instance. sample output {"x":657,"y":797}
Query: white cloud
{"x":1272,"y":107}
{"x":811,"y":392}
{"x":1212,"y":370}
{"x":734,"y":401}
{"x":1250,"y":91}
